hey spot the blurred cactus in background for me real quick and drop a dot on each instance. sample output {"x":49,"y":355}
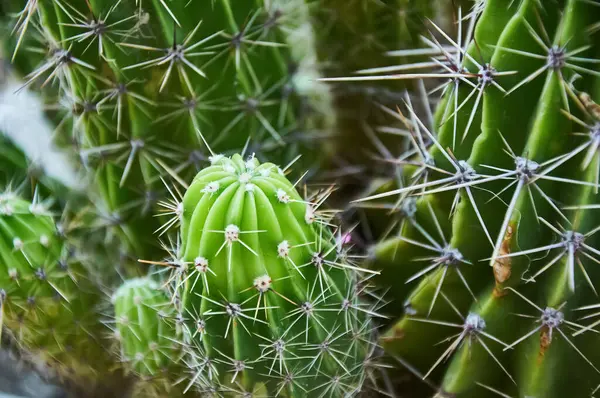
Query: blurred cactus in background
{"x":51,"y":304}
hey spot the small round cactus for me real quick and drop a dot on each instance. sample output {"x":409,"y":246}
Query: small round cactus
{"x":49,"y":304}
{"x":271,"y":296}
{"x":146,"y":327}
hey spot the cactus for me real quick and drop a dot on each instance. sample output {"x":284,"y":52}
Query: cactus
{"x":271,"y":299}
{"x":146,"y":329}
{"x":117,"y":76}
{"x":496,"y":257}
{"x":49,"y":304}
{"x":492,"y":200}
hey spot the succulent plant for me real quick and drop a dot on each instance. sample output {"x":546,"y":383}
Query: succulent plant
{"x":50,"y":304}
{"x":139,"y":88}
{"x":271,"y":299}
{"x":146,"y":328}
{"x":496,"y":251}
{"x":490,"y":199}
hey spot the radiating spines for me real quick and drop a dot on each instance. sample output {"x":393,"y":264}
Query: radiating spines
{"x":149,"y":332}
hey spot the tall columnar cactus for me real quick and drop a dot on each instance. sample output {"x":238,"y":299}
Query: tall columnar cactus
{"x":49,"y":304}
{"x":140,"y":87}
{"x":270,"y":298}
{"x":497,"y":252}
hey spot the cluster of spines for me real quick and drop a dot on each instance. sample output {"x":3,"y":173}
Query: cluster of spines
{"x":108,"y":68}
{"x":511,"y":156}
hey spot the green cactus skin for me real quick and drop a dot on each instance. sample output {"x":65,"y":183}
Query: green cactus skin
{"x":277,"y":301}
{"x":146,"y":328}
{"x":120,"y":75}
{"x":528,"y":117}
{"x":50,"y":306}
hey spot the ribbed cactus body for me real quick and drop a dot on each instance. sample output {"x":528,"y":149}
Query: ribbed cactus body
{"x":504,"y":211}
{"x":147,"y":330}
{"x":144,"y":90}
{"x":49,"y":304}
{"x":275,"y":301}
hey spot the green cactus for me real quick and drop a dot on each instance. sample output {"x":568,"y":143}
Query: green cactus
{"x":147,"y":330}
{"x":139,"y":88}
{"x":270,"y":297}
{"x":503,"y":193}
{"x":49,"y":304}
{"x":493,"y":198}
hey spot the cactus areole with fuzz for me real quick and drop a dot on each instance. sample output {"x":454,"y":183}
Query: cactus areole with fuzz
{"x":278,"y":307}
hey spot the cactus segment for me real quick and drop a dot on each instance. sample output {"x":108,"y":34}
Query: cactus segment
{"x":519,"y":191}
{"x":275,"y":293}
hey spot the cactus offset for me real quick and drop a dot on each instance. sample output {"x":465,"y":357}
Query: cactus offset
{"x":146,"y":327}
{"x":512,"y":158}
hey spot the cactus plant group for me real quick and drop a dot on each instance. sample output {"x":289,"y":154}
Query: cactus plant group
{"x":462,"y":250}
